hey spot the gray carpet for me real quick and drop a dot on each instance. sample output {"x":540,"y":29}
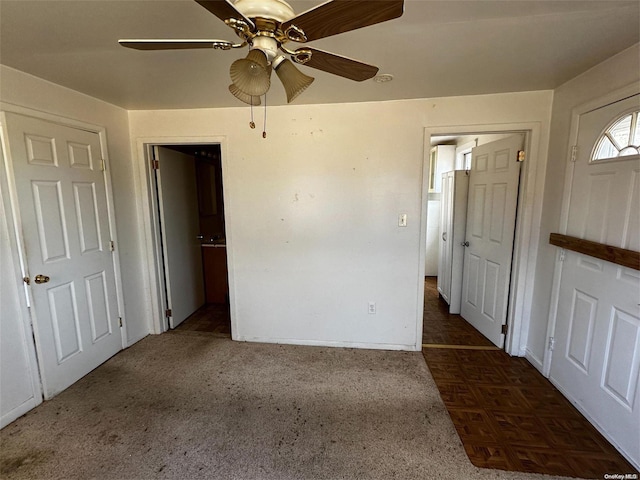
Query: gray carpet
{"x":187,"y":406}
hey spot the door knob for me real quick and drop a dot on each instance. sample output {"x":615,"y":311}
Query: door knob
{"x":41,"y":279}
{"x":465,"y":244}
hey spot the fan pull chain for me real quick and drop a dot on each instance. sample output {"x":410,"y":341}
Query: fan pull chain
{"x":264,"y":128}
{"x":252,"y":123}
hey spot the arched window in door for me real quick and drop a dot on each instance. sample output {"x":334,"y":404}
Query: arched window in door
{"x":620,"y":138}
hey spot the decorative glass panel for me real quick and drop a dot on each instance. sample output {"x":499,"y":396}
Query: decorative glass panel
{"x":621,"y":131}
{"x":605,"y":149}
{"x":629,"y":151}
{"x":622,"y":138}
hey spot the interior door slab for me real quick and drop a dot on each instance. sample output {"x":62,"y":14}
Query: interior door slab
{"x":62,"y":197}
{"x":180,"y":227}
{"x":490,"y":230}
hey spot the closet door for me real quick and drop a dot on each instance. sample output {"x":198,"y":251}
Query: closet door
{"x":446,"y":234}
{"x":458,"y":221}
{"x":61,"y":190}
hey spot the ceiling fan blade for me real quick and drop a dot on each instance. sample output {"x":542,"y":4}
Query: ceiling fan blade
{"x":224,"y":10}
{"x":153,"y":44}
{"x":342,"y":66}
{"x":339,"y":16}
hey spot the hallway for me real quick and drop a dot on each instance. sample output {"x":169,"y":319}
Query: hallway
{"x":506,"y":413}
{"x":210,"y":318}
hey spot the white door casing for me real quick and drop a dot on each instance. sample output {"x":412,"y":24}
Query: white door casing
{"x":61,"y":191}
{"x":180,"y":226}
{"x":490,"y":230}
{"x":596,"y":358}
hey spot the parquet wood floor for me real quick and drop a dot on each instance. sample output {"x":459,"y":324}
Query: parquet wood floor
{"x":210,"y":318}
{"x":506,"y":413}
{"x":440,"y":327}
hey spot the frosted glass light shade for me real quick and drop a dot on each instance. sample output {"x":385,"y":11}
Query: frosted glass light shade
{"x":251,"y":74}
{"x":240,"y":95}
{"x":295,"y":82}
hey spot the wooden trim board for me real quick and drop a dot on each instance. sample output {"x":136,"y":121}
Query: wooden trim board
{"x":617,"y":255}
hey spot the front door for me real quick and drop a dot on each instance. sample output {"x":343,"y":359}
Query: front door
{"x":180,"y":227}
{"x":64,"y":216}
{"x":596,"y":358}
{"x":491,"y":220}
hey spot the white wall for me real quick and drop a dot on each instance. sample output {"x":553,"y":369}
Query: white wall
{"x":312,"y":211}
{"x":19,"y":381}
{"x":433,"y":236}
{"x":18,"y":89}
{"x":617,"y":72}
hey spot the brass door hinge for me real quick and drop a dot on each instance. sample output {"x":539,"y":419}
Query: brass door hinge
{"x":112,"y":246}
{"x":155,"y":164}
{"x":521,"y":155}
{"x":120,"y":321}
{"x":168,"y":312}
{"x":103,"y":165}
{"x":504,"y":329}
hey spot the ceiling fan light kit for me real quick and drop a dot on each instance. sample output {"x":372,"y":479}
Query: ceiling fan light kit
{"x":251,"y":74}
{"x":294,"y":81}
{"x":266,"y":26}
{"x":243,"y":97}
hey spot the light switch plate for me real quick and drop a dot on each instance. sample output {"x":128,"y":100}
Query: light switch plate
{"x":402,"y":220}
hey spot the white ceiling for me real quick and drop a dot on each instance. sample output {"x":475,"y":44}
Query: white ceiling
{"x":437,"y":48}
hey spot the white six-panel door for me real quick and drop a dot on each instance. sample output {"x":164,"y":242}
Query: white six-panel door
{"x":64,"y":217}
{"x":491,"y":219}
{"x":596,"y":360}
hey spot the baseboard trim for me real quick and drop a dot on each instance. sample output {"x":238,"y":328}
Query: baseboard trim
{"x":320,"y":343}
{"x":534,"y":360}
{"x":18,"y":411}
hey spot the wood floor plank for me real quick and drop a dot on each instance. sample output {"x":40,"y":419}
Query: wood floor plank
{"x":460,"y":347}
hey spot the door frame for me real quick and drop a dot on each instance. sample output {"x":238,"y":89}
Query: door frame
{"x":15,"y":225}
{"x":150,"y":218}
{"x":576,"y":113}
{"x":528,"y":219}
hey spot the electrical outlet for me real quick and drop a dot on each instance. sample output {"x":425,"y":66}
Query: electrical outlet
{"x":372,"y":308}
{"x":402,"y":220}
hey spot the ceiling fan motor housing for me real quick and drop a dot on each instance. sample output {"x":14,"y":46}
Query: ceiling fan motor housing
{"x":278,"y":10}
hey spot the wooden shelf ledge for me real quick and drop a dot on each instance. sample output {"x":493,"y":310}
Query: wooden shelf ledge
{"x":617,"y":255}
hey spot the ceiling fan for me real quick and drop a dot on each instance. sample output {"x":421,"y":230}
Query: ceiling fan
{"x":267,"y":26}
